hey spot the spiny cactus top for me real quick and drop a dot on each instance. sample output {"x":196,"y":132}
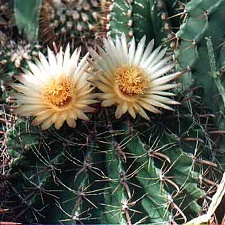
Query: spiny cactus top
{"x":133,"y":78}
{"x":55,"y":90}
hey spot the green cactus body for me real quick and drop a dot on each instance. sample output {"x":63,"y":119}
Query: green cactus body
{"x":113,"y":212}
{"x":138,"y":19}
{"x":69,"y":22}
{"x":202,"y":22}
{"x":27,"y":14}
{"x":201,"y":41}
{"x":126,"y":183}
{"x":155,"y":201}
{"x":121,"y":20}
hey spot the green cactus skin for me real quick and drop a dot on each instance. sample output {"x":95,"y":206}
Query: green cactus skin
{"x":138,"y":19}
{"x":148,"y":20}
{"x":202,"y":22}
{"x":201,"y":49}
{"x":26,"y":16}
{"x":108,"y":172}
{"x":121,"y":18}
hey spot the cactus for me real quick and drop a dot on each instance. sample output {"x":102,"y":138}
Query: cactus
{"x":26,"y":15}
{"x":115,"y":175}
{"x":122,"y":171}
{"x":69,"y":22}
{"x":137,"y":18}
{"x":201,"y":41}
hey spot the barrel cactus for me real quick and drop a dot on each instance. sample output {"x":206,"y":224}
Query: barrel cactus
{"x":124,"y":133}
{"x":68,"y":22}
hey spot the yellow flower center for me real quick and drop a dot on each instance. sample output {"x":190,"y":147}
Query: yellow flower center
{"x":131,"y":80}
{"x":58,"y":92}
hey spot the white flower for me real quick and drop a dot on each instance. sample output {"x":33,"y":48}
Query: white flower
{"x":55,"y":90}
{"x":133,"y":78}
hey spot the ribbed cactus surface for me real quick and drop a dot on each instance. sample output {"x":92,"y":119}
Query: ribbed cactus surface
{"x":106,"y":172}
{"x":201,"y":50}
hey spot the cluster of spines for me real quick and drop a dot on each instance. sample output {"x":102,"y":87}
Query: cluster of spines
{"x":14,"y":56}
{"x":68,"y":22}
{"x":6,"y":10}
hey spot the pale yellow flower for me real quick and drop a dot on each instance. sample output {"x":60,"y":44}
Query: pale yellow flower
{"x":55,"y":90}
{"x":133,"y":78}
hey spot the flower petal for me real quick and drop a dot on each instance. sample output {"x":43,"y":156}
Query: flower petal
{"x":56,"y":90}
{"x":133,"y":78}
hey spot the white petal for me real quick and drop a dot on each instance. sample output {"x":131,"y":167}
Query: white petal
{"x":147,"y":52}
{"x":157,"y":58}
{"x":119,"y":112}
{"x":59,"y":58}
{"x":59,"y":121}
{"x":43,"y":60}
{"x":159,"y":65}
{"x":165,"y":79}
{"x":67,"y":54}
{"x":71,"y":122}
{"x":146,"y":103}
{"x":139,"y":51}
{"x":164,"y":87}
{"x":139,"y":109}
{"x":34,"y":69}
{"x":131,"y":51}
{"x":108,"y":102}
{"x":132,"y":111}
{"x":162,"y":71}
{"x":124,"y":45}
{"x":52,"y":61}
{"x":151,"y":57}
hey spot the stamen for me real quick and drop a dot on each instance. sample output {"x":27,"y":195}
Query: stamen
{"x":131,"y":80}
{"x":58,"y":92}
